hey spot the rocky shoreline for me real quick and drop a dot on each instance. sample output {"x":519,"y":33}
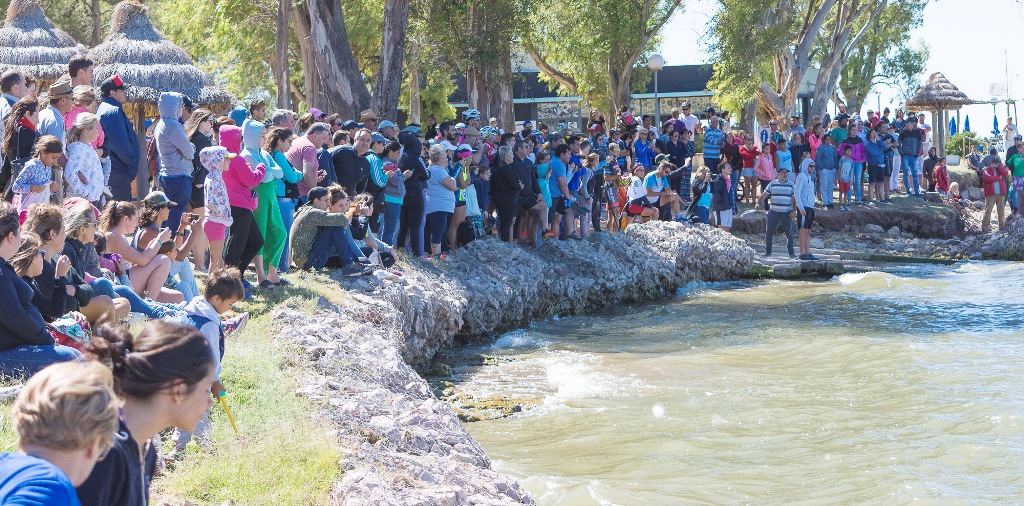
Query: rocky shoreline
{"x":360,"y":353}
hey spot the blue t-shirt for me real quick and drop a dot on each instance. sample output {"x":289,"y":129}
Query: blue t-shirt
{"x":713,"y":139}
{"x":28,"y":480}
{"x":439,"y":198}
{"x":557,"y":171}
{"x":656,"y":184}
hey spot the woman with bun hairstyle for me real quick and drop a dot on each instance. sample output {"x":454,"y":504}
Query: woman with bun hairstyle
{"x":164,"y":376}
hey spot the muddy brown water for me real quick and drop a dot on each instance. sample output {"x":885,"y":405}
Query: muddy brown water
{"x":872,"y":388}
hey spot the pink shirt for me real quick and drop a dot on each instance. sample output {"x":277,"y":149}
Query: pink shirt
{"x":303,"y":150}
{"x":69,"y":121}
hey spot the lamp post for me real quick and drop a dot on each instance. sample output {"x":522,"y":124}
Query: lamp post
{"x":656,"y":63}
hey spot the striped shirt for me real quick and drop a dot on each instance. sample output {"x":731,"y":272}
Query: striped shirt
{"x":781,"y":195}
{"x":713,"y":139}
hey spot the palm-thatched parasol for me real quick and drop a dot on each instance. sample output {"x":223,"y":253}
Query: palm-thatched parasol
{"x":31,"y":43}
{"x":151,"y":64}
{"x":939,"y":95}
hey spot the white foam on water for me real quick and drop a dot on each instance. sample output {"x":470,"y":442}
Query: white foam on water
{"x":520,"y":338}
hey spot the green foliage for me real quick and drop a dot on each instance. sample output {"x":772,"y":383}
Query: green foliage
{"x":236,"y":43}
{"x":605,"y":41}
{"x":434,"y":97}
{"x":964,"y":143}
{"x":744,"y":57}
{"x":885,"y":55}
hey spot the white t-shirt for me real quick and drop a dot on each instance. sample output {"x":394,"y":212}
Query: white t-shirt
{"x":636,"y":189}
{"x":691,"y":121}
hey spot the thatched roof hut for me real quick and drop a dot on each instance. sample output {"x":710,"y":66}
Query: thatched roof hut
{"x":939,"y":95}
{"x":151,"y":64}
{"x":31,"y":43}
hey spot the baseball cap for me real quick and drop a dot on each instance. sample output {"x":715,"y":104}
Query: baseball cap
{"x":376,"y":137}
{"x":527,"y":123}
{"x":350,"y":125}
{"x":316,"y":192}
{"x":188,"y":102}
{"x":386,"y":124}
{"x":1017,"y":137}
{"x":317,"y":114}
{"x":112,"y":83}
{"x":157,"y":199}
{"x":463,"y":150}
{"x":412,"y":129}
{"x":448,"y":146}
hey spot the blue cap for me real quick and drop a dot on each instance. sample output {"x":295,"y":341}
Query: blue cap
{"x":376,"y":137}
{"x":349,"y":125}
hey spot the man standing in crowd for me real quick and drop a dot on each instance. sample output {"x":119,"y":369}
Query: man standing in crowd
{"x":369,"y":119}
{"x":80,"y":69}
{"x":471,"y":117}
{"x":12,"y":83}
{"x":794,"y":127}
{"x":389,"y":130}
{"x":910,"y":150}
{"x":690,"y":121}
{"x":302,"y":155}
{"x":783,"y":202}
{"x":283,"y":118}
{"x":352,"y":168}
{"x":51,"y":119}
{"x":839,"y":133}
{"x":121,"y":142}
{"x":714,"y":139}
{"x":804,"y":201}
{"x":258,"y":109}
{"x":558,"y":182}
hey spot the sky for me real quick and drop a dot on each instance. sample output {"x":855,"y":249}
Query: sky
{"x":967,"y":39}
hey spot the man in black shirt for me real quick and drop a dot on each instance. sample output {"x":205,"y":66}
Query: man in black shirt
{"x":350,"y":167}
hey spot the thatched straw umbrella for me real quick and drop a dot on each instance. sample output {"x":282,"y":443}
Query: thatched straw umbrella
{"x":31,"y":43}
{"x":151,"y":64}
{"x":939,"y":95}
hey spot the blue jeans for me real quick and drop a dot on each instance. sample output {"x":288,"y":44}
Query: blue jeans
{"x":333,"y":242}
{"x":827,"y":178}
{"x":910,"y":169}
{"x":179,"y":190}
{"x":857,"y":186}
{"x":103,"y":286}
{"x":287,"y":207}
{"x":734,"y":178}
{"x":186,"y":279}
{"x":32,"y":358}
{"x":392,"y":215}
{"x":704,"y":213}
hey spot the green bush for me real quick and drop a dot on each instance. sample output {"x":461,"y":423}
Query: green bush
{"x":963,"y":143}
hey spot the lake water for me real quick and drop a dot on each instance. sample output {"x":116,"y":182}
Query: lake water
{"x":876,"y":388}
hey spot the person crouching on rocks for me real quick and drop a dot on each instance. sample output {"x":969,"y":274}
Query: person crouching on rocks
{"x":320,"y":235}
{"x":723,"y":197}
{"x":781,"y":191}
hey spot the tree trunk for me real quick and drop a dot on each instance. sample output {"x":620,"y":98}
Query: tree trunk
{"x":95,"y":11}
{"x":414,"y":94}
{"x":281,"y":77}
{"x":747,"y":115}
{"x":388,"y":87}
{"x":333,"y":81}
{"x":501,"y":105}
{"x":476,"y":89}
{"x":619,"y":82}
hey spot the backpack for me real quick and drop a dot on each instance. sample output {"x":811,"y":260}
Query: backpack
{"x":466,"y":232}
{"x":198,"y":321}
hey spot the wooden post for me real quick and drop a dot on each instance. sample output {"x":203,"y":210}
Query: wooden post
{"x":414,"y":94}
{"x":142,"y":177}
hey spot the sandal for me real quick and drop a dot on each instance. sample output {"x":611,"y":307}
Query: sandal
{"x":267,"y":284}
{"x":283,"y":282}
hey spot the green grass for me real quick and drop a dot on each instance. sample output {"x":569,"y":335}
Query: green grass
{"x":283,"y":454}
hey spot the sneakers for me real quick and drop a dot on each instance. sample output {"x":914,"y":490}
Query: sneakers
{"x":808,"y":257}
{"x":356,"y":269}
{"x":235,"y":325}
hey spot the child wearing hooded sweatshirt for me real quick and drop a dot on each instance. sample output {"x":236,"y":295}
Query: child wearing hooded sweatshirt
{"x":176,"y":153}
{"x":241,"y":180}
{"x":215,"y":198}
{"x":267,"y":213}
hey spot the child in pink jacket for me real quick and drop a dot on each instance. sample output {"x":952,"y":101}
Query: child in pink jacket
{"x":245,"y":239}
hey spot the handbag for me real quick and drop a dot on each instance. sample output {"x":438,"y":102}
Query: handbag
{"x":472,"y":203}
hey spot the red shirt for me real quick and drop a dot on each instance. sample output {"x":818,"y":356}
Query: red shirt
{"x":749,"y":156}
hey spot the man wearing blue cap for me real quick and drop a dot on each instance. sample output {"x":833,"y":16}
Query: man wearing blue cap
{"x":121,"y":142}
{"x":378,"y":179}
{"x":388,"y":130}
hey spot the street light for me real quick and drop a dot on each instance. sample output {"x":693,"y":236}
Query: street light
{"x":656,"y":63}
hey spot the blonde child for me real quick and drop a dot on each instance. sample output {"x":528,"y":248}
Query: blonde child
{"x":215,"y":199}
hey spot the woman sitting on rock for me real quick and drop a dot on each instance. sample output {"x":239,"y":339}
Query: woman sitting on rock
{"x":150,"y":268}
{"x":320,"y":233}
{"x":26,"y":347}
{"x":59,"y":278}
